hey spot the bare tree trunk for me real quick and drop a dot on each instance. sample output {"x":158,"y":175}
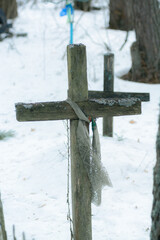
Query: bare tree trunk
{"x":9,"y":7}
{"x":146,"y":51}
{"x":3,"y":234}
{"x":82,"y":5}
{"x":121,"y":15}
{"x":155,"y":230}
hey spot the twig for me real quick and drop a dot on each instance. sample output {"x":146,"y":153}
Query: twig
{"x":124,"y":41}
{"x":99,"y":44}
{"x":80,"y":17}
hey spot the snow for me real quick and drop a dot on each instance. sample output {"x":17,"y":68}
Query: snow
{"x":29,"y":106}
{"x":33,"y":164}
{"x":122,"y":102}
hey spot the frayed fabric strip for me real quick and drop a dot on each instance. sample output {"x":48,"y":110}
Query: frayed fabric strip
{"x":90,"y":155}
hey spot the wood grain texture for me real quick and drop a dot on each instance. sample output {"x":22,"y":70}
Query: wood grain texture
{"x":81,"y":189}
{"x":45,"y":111}
{"x":108,"y":86}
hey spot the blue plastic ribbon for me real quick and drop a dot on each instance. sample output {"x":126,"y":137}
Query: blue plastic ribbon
{"x":69,"y":10}
{"x":71,"y":33}
{"x":64,"y":10}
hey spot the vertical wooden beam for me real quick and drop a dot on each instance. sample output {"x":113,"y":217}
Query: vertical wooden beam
{"x":108,"y":87}
{"x":81,"y":189}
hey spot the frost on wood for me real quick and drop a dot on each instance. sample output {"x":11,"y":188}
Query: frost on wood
{"x":121,"y":102}
{"x":28,"y":106}
{"x":128,"y":102}
{"x":155,"y":230}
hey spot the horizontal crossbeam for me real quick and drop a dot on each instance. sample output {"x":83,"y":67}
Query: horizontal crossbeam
{"x":44,"y":111}
{"x":144,"y":97}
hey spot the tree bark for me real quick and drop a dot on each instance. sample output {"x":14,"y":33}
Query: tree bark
{"x":121,"y":15}
{"x":146,"y":52}
{"x":155,"y":230}
{"x":3,"y":234}
{"x":9,"y":7}
{"x":82,"y":5}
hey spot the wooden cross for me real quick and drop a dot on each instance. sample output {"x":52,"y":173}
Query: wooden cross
{"x":108,"y":92}
{"x":78,"y":92}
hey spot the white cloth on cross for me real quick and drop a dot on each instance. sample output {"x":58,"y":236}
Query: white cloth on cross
{"x":90,"y":155}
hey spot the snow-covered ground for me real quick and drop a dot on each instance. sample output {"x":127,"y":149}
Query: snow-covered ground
{"x":33,"y":164}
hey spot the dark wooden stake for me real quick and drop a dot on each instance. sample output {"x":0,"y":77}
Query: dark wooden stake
{"x":108,"y":87}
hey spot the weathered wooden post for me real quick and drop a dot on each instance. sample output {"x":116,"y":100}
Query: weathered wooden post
{"x":108,"y":87}
{"x":108,"y":92}
{"x":81,"y":189}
